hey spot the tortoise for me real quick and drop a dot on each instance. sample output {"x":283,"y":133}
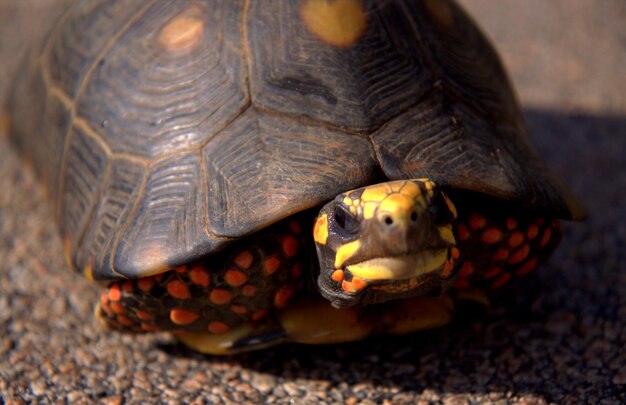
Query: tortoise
{"x":201,"y":154}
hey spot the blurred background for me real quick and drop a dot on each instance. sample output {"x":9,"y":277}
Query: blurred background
{"x":565,"y":344}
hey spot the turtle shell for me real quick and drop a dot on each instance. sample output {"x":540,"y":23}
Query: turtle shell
{"x":166,"y":129}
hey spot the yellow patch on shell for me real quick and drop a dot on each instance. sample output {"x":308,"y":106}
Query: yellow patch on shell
{"x":5,"y":123}
{"x":345,"y":252}
{"x":320,"y":230}
{"x":88,"y":272}
{"x":336,"y":22}
{"x":182,"y":33}
{"x":441,"y":12}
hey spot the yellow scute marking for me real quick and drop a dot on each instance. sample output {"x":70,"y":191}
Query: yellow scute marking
{"x":410,"y":189}
{"x":337,"y":22}
{"x":345,"y":252}
{"x":320,"y":230}
{"x":183,"y":33}
{"x":376,"y":193}
{"x":397,"y":203}
{"x":369,"y":209}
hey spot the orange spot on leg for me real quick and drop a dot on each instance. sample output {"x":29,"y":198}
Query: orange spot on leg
{"x":477,"y":221}
{"x":244,"y":259}
{"x":282,"y":296}
{"x":239,"y":309}
{"x":491,"y":236}
{"x":114,"y":292}
{"x":271,"y":265}
{"x":492,"y":272}
{"x":145,"y":284}
{"x":500,"y":255}
{"x":220,"y":296}
{"x":178,"y":289}
{"x":200,"y":276}
{"x":502,"y":280}
{"x":532,"y":231}
{"x":464,"y":233}
{"x":527,"y":267}
{"x":545,"y":238}
{"x":516,"y":239}
{"x":259,"y":314}
{"x":290,"y":246}
{"x":183,"y":316}
{"x":218,"y":327}
{"x":296,"y":270}
{"x":235,"y":277}
{"x":125,"y":321}
{"x":149,"y":327}
{"x":295,"y":227}
{"x":248,"y":290}
{"x":143,"y":315}
{"x":511,"y":223}
{"x":519,"y":255}
{"x":117,"y":308}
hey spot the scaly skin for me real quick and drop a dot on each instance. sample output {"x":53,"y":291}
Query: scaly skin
{"x":251,"y":295}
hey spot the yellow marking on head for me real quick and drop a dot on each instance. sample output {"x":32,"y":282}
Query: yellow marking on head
{"x":348,"y":201}
{"x":396,"y":203}
{"x":345,"y":252}
{"x":446,"y":234}
{"x":376,"y":193}
{"x":369,"y":209}
{"x":450,"y":205}
{"x":410,"y":189}
{"x":320,"y":230}
{"x":337,"y":22}
{"x":182,"y":33}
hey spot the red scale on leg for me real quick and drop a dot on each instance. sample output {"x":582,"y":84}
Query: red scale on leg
{"x":501,"y":242}
{"x":243,"y":283}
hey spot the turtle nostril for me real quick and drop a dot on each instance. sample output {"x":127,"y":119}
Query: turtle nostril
{"x":388,"y":221}
{"x":414,"y":216}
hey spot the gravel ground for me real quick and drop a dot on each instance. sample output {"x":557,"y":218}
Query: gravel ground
{"x":562,"y":343}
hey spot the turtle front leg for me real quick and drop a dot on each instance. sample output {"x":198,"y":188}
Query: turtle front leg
{"x":312,"y":320}
{"x":501,"y":242}
{"x":239,"y":285}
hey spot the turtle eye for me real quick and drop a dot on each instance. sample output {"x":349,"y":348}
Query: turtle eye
{"x":345,"y":220}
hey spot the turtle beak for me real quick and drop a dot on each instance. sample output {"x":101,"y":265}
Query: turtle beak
{"x":384,"y":242}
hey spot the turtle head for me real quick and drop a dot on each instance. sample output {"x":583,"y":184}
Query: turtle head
{"x":386,"y":241}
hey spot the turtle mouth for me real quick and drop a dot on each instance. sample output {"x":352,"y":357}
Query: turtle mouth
{"x":397,"y":268}
{"x":392,"y":277}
